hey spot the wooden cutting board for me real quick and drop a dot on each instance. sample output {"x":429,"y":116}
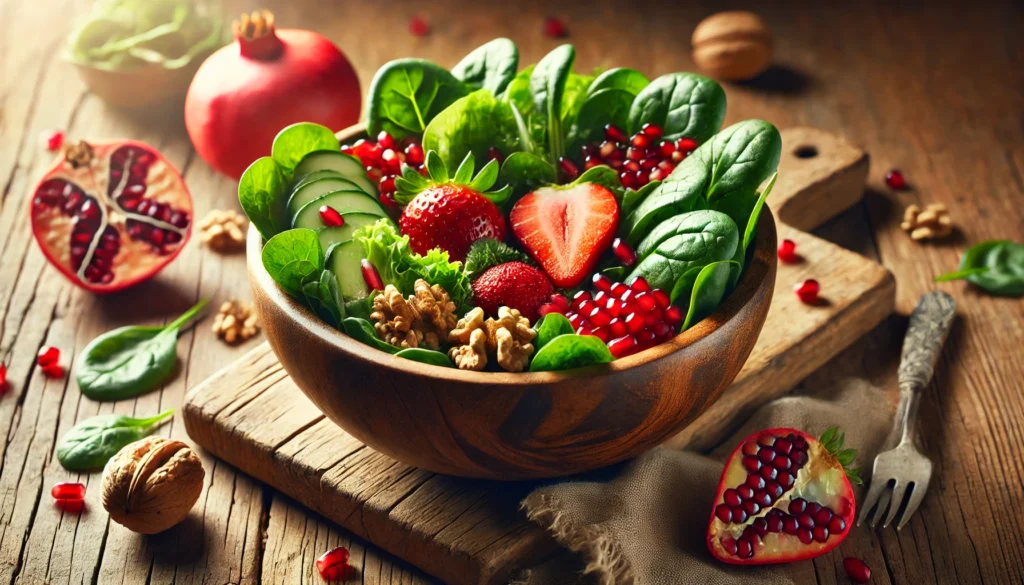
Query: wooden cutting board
{"x":470,"y":532}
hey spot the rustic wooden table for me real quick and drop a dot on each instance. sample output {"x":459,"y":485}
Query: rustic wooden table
{"x":936,"y":92}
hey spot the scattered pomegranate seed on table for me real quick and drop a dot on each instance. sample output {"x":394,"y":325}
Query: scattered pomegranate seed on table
{"x":555,"y":28}
{"x":787,"y":251}
{"x":47,"y":356}
{"x":4,"y":386}
{"x":69,"y":496}
{"x":858,"y":571}
{"x":419,"y":27}
{"x":333,"y":565}
{"x":53,"y":371}
{"x":53,"y":139}
{"x":371,"y":275}
{"x":894,"y":179}
{"x":808,"y":291}
{"x":331,"y":217}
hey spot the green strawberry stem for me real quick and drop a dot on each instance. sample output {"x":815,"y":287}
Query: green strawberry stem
{"x":833,"y":440}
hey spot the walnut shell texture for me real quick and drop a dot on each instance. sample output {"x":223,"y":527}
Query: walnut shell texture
{"x":733,"y":46}
{"x":152,"y":484}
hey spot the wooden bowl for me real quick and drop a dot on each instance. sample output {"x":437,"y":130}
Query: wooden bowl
{"x":509,"y":426}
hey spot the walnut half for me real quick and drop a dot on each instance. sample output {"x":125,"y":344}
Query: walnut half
{"x":152,"y":484}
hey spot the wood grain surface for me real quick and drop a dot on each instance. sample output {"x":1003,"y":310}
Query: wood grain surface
{"x":933,"y":89}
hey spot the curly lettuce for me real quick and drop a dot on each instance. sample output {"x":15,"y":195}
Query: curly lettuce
{"x":398,"y":265}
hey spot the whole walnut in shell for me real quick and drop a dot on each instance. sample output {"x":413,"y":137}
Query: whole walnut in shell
{"x":152,"y":484}
{"x":734,"y":45}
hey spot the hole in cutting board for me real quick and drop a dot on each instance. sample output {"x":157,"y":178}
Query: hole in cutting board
{"x":806,"y":151}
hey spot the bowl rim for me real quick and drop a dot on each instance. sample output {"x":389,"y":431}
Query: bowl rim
{"x":758,"y":269}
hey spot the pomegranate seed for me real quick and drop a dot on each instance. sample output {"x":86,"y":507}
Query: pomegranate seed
{"x":419,"y":27}
{"x":583,"y":329}
{"x":652,"y":131}
{"x":387,"y":199}
{"x":68,"y":491}
{"x":634,"y":323}
{"x":587,"y":307}
{"x":384,"y":140}
{"x":387,"y":185}
{"x":661,"y":298}
{"x":370,"y":275}
{"x":666,"y":148}
{"x":580,"y":297}
{"x":618,"y":289}
{"x":723,"y":512}
{"x":744,"y":550}
{"x":600,"y":333}
{"x":494,"y":154}
{"x":47,"y":356}
{"x":894,"y":179}
{"x":599,"y":317}
{"x":569,"y":168}
{"x":673,"y":315}
{"x":837,"y":525}
{"x":787,"y":251}
{"x":808,"y":291}
{"x":333,"y":565}
{"x":639,"y":283}
{"x":639,"y":141}
{"x":560,"y":301}
{"x":857,"y":570}
{"x":729,"y":544}
{"x":331,"y":217}
{"x":414,"y":154}
{"x":805,"y":536}
{"x":70,"y":506}
{"x":54,"y":371}
{"x":612,"y":133}
{"x":657,"y":175}
{"x":645,"y":302}
{"x":602,"y":282}
{"x":617,"y":328}
{"x":642,"y":178}
{"x":53,"y":139}
{"x":548,"y":308}
{"x":4,"y":386}
{"x":591,"y":162}
{"x":554,"y":28}
{"x":686,"y":145}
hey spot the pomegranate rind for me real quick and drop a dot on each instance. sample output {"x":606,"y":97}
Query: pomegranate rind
{"x":96,"y":183}
{"x":822,"y":478}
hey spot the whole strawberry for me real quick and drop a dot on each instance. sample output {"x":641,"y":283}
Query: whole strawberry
{"x":515,"y":285}
{"x":450,"y":213}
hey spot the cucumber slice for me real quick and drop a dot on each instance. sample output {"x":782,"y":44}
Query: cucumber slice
{"x":301,"y":180}
{"x":343,"y":259}
{"x":353,"y":221}
{"x":307,"y":192}
{"x":348,"y":166}
{"x":342,"y":202}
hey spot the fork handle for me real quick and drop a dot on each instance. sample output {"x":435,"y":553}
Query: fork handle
{"x":929,"y":326}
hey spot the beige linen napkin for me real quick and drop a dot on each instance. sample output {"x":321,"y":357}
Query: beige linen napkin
{"x":644,"y":522}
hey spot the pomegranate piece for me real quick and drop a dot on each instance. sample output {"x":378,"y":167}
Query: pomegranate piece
{"x":628,"y":317}
{"x":47,"y":356}
{"x":55,"y":371}
{"x":333,"y":565}
{"x":111,"y":215}
{"x":330,"y":216}
{"x":68,"y":491}
{"x":52,"y":139}
{"x":554,"y":28}
{"x":784,"y":496}
{"x":371,"y":275}
{"x":857,"y":570}
{"x":808,"y":291}
{"x":418,"y":26}
{"x":894,"y":180}
{"x":787,"y":251}
{"x":624,"y":252}
{"x":4,"y":386}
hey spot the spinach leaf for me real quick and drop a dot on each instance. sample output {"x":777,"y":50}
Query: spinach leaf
{"x":474,"y":124}
{"x":572,"y":98}
{"x":683,"y":242}
{"x":632,"y":198}
{"x":359,"y":308}
{"x":292,"y":257}
{"x":361,"y":330}
{"x":708,"y":291}
{"x":600,"y":175}
{"x":323,"y":296}
{"x":547,"y":86}
{"x":569,"y":351}
{"x":129,"y":361}
{"x":406,"y":94}
{"x":682,"y":104}
{"x":621,"y":78}
{"x":751,"y":230}
{"x":298,"y":140}
{"x":490,"y":66}
{"x":549,"y":327}
{"x":996,"y":266}
{"x":262,"y":193}
{"x":608,"y":106}
{"x":426,"y":356}
{"x":524,"y":172}
{"x":92,"y":442}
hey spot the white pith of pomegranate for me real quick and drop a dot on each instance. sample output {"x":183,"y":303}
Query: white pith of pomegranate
{"x":110,"y":215}
{"x":783,"y":497}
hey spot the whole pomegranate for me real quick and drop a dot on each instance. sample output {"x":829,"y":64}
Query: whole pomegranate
{"x":110,"y":215}
{"x":246,"y":92}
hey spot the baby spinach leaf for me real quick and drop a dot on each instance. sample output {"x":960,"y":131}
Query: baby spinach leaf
{"x":996,"y":266}
{"x":298,"y":140}
{"x":426,"y":356}
{"x":632,"y":198}
{"x":572,"y":98}
{"x":569,"y":351}
{"x":547,"y":86}
{"x":683,"y":242}
{"x":92,"y":442}
{"x":323,"y":296}
{"x":490,"y":66}
{"x":708,"y":291}
{"x":129,"y":361}
{"x":683,"y":287}
{"x":682,"y":104}
{"x":474,"y":124}
{"x":262,"y":192}
{"x":621,"y":78}
{"x":600,"y":175}
{"x":361,"y":330}
{"x":751,"y":230}
{"x":608,"y":106}
{"x":359,"y":308}
{"x":525,"y":172}
{"x":551,"y":326}
{"x":406,"y":94}
{"x":292,"y":257}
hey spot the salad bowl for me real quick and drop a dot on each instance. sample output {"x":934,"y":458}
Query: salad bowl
{"x":513,"y":426}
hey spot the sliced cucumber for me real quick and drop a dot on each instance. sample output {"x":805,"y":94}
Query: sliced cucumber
{"x":348,"y":166}
{"x":343,"y":259}
{"x":353,"y":221}
{"x":301,"y":180}
{"x":342,"y":202}
{"x":307,"y":192}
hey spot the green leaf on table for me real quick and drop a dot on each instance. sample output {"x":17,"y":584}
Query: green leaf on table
{"x":296,"y":141}
{"x":570,"y":351}
{"x":405,"y":96}
{"x":490,"y":66}
{"x":262,"y":192}
{"x":93,"y":441}
{"x":996,"y":266}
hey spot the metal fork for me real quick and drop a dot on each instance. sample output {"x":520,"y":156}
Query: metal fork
{"x":904,"y":468}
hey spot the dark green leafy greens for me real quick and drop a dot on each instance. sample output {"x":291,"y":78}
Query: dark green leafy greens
{"x":406,"y":94}
{"x":292,"y":258}
{"x":547,"y":86}
{"x":549,"y":327}
{"x":129,"y":361}
{"x":92,"y":442}
{"x":996,"y":266}
{"x":362,"y":330}
{"x":261,"y":193}
{"x":298,"y":140}
{"x":426,"y":356}
{"x":688,"y":240}
{"x":525,"y":172}
{"x":709,"y":289}
{"x":473,"y":124}
{"x":490,"y":66}
{"x":569,"y":351}
{"x":682,"y":104}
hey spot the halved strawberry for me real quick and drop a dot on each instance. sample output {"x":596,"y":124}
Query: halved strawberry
{"x":784,"y":496}
{"x":566,"y":229}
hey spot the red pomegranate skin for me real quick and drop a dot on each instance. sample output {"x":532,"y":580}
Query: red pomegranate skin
{"x":236,"y":105}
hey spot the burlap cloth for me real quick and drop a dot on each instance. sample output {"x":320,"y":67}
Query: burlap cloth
{"x":644,"y":522}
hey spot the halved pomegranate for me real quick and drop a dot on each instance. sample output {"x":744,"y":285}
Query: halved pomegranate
{"x":110,"y":215}
{"x":784,"y":496}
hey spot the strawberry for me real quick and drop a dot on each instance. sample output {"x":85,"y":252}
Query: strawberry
{"x":566,"y":229}
{"x":450,"y":213}
{"x":784,"y":496}
{"x":515,"y":285}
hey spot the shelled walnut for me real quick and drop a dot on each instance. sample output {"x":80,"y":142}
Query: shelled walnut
{"x":235,"y":322}
{"x":932,"y":222}
{"x":222,"y":230}
{"x":507,"y":338}
{"x":423,"y":319}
